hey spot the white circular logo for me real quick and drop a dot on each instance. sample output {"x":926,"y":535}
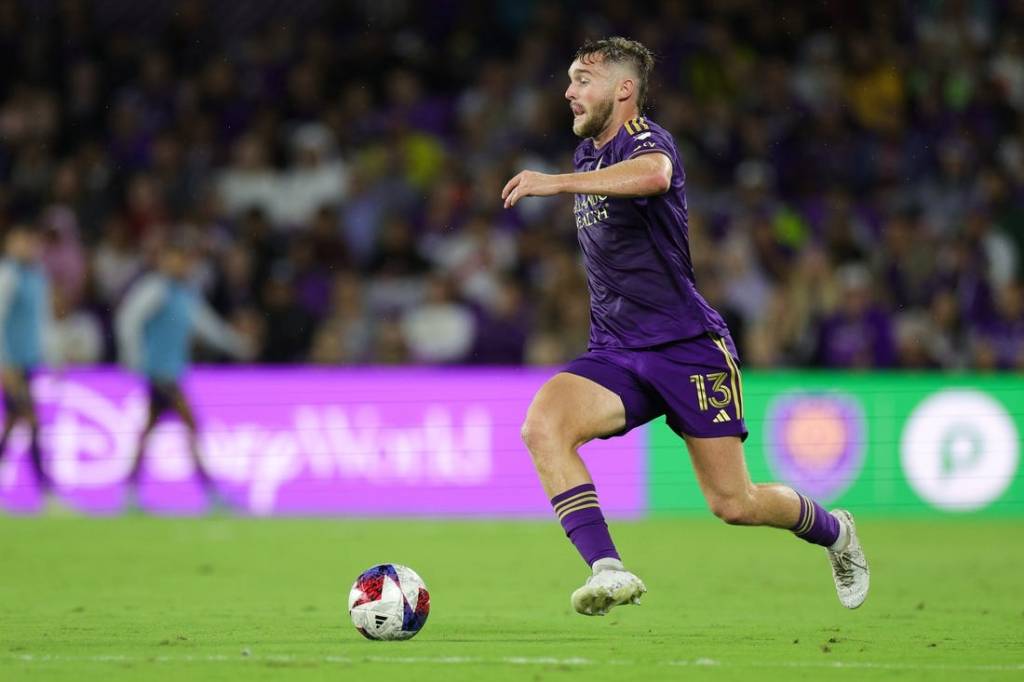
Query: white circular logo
{"x":959,"y":449}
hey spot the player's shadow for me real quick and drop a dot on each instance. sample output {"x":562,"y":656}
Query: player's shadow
{"x":531,"y":638}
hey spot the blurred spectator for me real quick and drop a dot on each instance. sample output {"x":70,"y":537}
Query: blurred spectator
{"x":859,"y":334}
{"x":235,"y":285}
{"x":946,"y":334}
{"x":476,"y":257}
{"x":288,"y":328}
{"x":501,"y":327}
{"x":316,"y":178}
{"x":395,"y":254}
{"x":116,"y":261}
{"x":390,"y":347}
{"x":912,"y":343}
{"x":249,"y":182}
{"x":345,"y":337}
{"x":440,"y":329}
{"x":310,"y":279}
{"x":77,"y":334}
{"x":63,"y":256}
{"x":396,"y":268}
{"x":998,"y":343}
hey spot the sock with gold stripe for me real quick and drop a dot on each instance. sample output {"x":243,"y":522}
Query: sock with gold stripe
{"x":578,"y":510}
{"x":816,"y":525}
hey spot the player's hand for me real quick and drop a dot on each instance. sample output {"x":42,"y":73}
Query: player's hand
{"x":529,"y":184}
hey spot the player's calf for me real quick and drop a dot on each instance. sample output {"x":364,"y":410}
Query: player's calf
{"x":581,"y":517}
{"x":815,"y":525}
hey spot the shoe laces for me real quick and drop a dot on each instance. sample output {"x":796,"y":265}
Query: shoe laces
{"x":844,"y":567}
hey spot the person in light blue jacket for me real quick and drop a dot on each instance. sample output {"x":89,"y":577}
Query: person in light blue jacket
{"x":26,"y":317}
{"x":155,"y":327}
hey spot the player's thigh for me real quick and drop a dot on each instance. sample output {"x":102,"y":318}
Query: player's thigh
{"x":720,"y":467}
{"x":12,"y":378}
{"x":183,"y":409}
{"x":18,"y":397}
{"x":166,"y":396}
{"x":16,"y":385}
{"x":574,"y":410}
{"x":13,"y":409}
{"x":160,"y":401}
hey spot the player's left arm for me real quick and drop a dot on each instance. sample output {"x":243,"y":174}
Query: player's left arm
{"x":48,"y":328}
{"x":642,"y":176}
{"x":215,"y":331}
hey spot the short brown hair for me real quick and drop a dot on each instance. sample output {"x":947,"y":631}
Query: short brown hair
{"x":617,"y":49}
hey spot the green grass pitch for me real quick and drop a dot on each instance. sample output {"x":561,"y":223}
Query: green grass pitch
{"x":246,"y":599}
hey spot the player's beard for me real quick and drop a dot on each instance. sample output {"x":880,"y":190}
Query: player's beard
{"x":594,"y":123}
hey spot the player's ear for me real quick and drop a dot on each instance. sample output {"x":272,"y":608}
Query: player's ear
{"x":626,"y":89}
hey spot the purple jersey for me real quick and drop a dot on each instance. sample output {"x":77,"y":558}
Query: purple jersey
{"x":637,"y":251}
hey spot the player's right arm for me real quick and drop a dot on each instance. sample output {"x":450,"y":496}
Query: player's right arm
{"x":140,"y":303}
{"x":8,"y":283}
{"x":641,"y":176}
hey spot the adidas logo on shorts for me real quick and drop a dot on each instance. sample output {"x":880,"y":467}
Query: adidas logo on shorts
{"x":721,"y":417}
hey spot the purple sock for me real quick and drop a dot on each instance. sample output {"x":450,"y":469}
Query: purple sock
{"x":581,"y":517}
{"x":815,"y":524}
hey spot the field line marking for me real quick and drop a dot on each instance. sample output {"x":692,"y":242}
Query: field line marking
{"x":508,"y":660}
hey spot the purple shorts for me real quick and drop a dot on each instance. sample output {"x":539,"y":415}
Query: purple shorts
{"x":694,"y":382}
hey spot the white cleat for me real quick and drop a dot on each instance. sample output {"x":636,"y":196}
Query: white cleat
{"x":607,"y":589}
{"x":850,"y":567}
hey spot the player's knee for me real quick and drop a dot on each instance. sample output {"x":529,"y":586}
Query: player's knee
{"x":535,"y":433}
{"x":735,"y":510}
{"x":541,"y":435}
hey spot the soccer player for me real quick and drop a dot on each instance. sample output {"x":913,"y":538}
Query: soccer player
{"x":26,"y":314}
{"x":656,"y":347}
{"x":155,"y":325}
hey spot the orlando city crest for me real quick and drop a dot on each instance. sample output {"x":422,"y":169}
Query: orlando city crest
{"x":815,"y":442}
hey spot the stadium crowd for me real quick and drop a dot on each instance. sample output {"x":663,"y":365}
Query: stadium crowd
{"x":855,"y":171}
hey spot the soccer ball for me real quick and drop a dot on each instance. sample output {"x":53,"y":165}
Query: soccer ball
{"x":389,"y":601}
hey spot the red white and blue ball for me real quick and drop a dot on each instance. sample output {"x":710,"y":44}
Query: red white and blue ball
{"x":389,"y":602}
